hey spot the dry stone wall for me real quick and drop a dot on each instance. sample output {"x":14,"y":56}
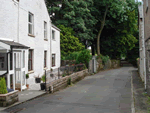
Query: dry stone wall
{"x":63,"y":82}
{"x":9,"y":98}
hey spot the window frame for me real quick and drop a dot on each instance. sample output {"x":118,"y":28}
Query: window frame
{"x":45,"y":59}
{"x":53,"y":34}
{"x":53,"y":60}
{"x":30,"y":59}
{"x":45,"y":30}
{"x":146,"y":6}
{"x":31,"y":23}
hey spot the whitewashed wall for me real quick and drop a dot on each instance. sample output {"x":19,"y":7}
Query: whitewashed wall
{"x":56,"y":48}
{"x":11,"y":16}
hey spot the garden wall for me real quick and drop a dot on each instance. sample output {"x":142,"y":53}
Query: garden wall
{"x":9,"y":98}
{"x":63,"y":82}
{"x":96,"y":65}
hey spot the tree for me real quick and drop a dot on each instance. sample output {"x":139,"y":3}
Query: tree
{"x":104,"y":11}
{"x":75,"y":14}
{"x":68,"y":42}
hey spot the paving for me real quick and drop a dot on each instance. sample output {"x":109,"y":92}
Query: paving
{"x":25,"y":96}
{"x":140,"y":101}
{"x":106,"y":92}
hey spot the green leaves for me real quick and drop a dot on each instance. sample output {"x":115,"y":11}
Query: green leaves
{"x":68,"y":42}
{"x":3,"y":88}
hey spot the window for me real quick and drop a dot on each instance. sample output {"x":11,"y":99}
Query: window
{"x":11,"y":61}
{"x":45,"y":30}
{"x":146,"y":6}
{"x":16,"y":0}
{"x":45,"y":58}
{"x":53,"y":60}
{"x":53,"y":34}
{"x":30,"y":60}
{"x":23,"y":59}
{"x":30,"y":24}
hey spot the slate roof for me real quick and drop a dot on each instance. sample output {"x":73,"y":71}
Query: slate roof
{"x":14,"y":44}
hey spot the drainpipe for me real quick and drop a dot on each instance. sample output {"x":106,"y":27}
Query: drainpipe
{"x":18,"y":24}
{"x":143,"y":47}
{"x":50,"y":44}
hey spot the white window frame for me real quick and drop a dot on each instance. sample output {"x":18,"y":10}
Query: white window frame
{"x":16,"y":1}
{"x":146,"y":6}
{"x":31,"y":23}
{"x":53,"y":34}
{"x":45,"y":30}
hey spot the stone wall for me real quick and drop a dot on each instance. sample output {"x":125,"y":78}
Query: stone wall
{"x":138,"y":65}
{"x":100,"y":66}
{"x":9,"y":98}
{"x":63,"y":82}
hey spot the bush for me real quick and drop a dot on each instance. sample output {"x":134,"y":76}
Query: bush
{"x":69,"y":81}
{"x":27,"y":76}
{"x":63,"y":75}
{"x":104,"y":58}
{"x":3,"y":88}
{"x":84,"y":57}
{"x":43,"y":78}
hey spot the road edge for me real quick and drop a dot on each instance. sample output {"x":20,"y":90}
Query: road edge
{"x":132,"y":97}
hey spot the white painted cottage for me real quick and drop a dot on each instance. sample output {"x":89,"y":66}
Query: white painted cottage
{"x":29,"y":43}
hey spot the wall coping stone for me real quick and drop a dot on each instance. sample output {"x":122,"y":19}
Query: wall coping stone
{"x":3,"y":95}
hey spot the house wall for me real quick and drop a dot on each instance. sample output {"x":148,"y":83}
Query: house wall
{"x":141,"y":51}
{"x":147,"y":41}
{"x":56,"y":45}
{"x":14,"y":25}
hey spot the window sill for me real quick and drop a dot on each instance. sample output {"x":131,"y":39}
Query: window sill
{"x":31,"y":35}
{"x":29,"y":72}
{"x":54,"y":39}
{"x":45,"y":68}
{"x":46,"y":39}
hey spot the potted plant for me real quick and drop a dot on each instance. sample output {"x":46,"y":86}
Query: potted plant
{"x":43,"y":84}
{"x":27,"y":76}
{"x":38,"y":79}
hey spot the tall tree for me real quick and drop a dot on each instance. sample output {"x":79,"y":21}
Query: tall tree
{"x":75,"y":14}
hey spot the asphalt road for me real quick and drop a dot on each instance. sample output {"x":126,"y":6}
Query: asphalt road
{"x":105,"y":92}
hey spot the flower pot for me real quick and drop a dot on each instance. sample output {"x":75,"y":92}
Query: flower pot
{"x":42,"y":86}
{"x":27,"y":85}
{"x":38,"y":80}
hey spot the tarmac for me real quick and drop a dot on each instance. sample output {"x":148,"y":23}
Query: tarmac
{"x":25,"y":96}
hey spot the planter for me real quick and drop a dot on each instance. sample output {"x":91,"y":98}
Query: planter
{"x":27,"y":85}
{"x":38,"y":80}
{"x":42,"y":86}
{"x":9,"y":98}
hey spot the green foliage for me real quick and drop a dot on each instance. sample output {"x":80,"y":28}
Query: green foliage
{"x":104,"y":58}
{"x":3,"y":88}
{"x":69,"y":81}
{"x":63,"y":75}
{"x":86,"y":17}
{"x":43,"y":78}
{"x":75,"y":14}
{"x":27,"y":76}
{"x":84,"y":57}
{"x":68,"y":42}
{"x":72,"y":56}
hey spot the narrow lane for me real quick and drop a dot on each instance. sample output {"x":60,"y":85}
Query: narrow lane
{"x":105,"y":92}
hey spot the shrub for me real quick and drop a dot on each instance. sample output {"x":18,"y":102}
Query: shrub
{"x":63,"y":75}
{"x":84,"y":57}
{"x":43,"y":78}
{"x":3,"y":88}
{"x":27,"y":76}
{"x":104,"y":58}
{"x":69,"y":81}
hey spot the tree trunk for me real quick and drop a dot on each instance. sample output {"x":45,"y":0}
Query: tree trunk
{"x":100,"y":31}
